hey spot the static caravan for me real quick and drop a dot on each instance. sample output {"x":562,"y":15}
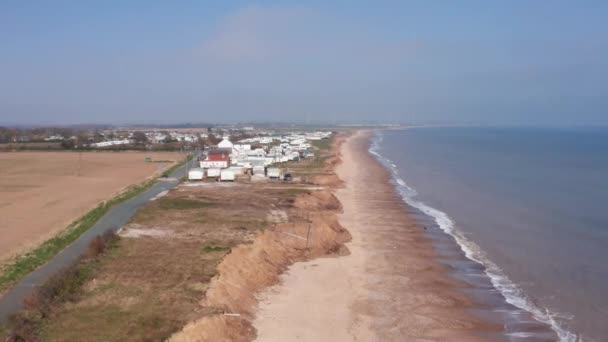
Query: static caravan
{"x":196,"y":174}
{"x":238,"y":170}
{"x":227,"y":175}
{"x":258,"y":170}
{"x":213,"y":172}
{"x":294,"y":156}
{"x":273,"y":172}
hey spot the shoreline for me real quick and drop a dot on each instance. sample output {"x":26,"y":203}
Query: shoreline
{"x":499,"y":300}
{"x":390,"y":287}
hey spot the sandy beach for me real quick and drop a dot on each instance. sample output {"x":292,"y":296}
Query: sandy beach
{"x":390,"y":287}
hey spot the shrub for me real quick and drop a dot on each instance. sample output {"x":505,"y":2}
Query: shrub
{"x":66,"y":285}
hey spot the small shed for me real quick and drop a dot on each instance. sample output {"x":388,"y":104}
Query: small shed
{"x":227,"y":175}
{"x":213,"y":172}
{"x":258,"y":170}
{"x":196,"y":174}
{"x":273,"y":172}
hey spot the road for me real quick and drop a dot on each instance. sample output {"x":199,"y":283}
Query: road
{"x":12,"y":301}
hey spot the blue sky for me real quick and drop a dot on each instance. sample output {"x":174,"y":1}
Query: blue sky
{"x":477,"y":62}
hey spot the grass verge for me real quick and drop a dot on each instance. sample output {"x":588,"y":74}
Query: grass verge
{"x":28,"y":262}
{"x":182,"y":203}
{"x":65,"y":286}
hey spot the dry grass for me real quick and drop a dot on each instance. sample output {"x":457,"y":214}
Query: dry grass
{"x":314,"y":166}
{"x":147,"y":288}
{"x":64,"y":287}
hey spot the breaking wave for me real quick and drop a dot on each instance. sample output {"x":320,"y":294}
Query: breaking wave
{"x":512,"y":293}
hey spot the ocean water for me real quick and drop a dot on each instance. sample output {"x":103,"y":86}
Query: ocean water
{"x":526,"y":210}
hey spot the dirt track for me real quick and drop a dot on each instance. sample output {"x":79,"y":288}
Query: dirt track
{"x":43,"y":192}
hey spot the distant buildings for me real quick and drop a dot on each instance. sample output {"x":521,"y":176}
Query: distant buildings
{"x":111,"y":143}
{"x":257,"y":153}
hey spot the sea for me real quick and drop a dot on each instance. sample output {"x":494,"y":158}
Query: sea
{"x":519,"y":214}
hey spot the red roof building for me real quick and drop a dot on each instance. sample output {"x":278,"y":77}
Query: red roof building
{"x":218,"y":157}
{"x":215,"y":160}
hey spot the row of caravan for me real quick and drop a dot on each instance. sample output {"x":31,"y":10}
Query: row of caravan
{"x":230,"y":174}
{"x":270,"y":172}
{"x":221,"y":174}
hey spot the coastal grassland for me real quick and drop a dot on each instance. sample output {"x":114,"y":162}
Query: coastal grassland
{"x":24,"y":264}
{"x":313,"y":166}
{"x":31,"y":146}
{"x":150,"y":283}
{"x":64,"y":286}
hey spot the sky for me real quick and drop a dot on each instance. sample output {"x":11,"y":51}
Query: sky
{"x":420,"y":62}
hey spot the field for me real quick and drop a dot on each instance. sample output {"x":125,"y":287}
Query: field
{"x":41,"y":193}
{"x":247,"y":232}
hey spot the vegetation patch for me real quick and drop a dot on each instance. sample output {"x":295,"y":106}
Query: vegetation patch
{"x":64,"y":286}
{"x":31,"y":146}
{"x":174,"y":168}
{"x":295,"y":191}
{"x":323,"y":144}
{"x":181,"y":203}
{"x":214,"y":248}
{"x":314,"y":165}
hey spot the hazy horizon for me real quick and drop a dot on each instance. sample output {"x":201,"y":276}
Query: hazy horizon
{"x":476,"y":62}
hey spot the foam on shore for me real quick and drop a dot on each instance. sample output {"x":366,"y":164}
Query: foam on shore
{"x":511,"y":292}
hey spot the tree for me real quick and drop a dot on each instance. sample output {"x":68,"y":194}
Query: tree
{"x":200,"y":143}
{"x":140,"y":137}
{"x":97,"y":136}
{"x":82,"y":140}
{"x":213,"y":140}
{"x":68,"y":144}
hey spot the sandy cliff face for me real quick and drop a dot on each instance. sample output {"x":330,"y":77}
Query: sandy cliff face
{"x":250,"y":268}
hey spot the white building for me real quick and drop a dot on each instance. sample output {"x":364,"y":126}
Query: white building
{"x":225,"y":143}
{"x":266,"y":140}
{"x":111,"y":143}
{"x":241,"y":148}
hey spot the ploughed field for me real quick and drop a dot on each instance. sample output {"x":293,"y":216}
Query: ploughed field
{"x":41,"y":193}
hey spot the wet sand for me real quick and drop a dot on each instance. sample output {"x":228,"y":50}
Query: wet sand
{"x":390,"y":288}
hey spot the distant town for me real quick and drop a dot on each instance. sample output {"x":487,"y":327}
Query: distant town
{"x":162,"y":139}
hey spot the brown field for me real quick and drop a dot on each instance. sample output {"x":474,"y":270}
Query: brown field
{"x":41,"y":193}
